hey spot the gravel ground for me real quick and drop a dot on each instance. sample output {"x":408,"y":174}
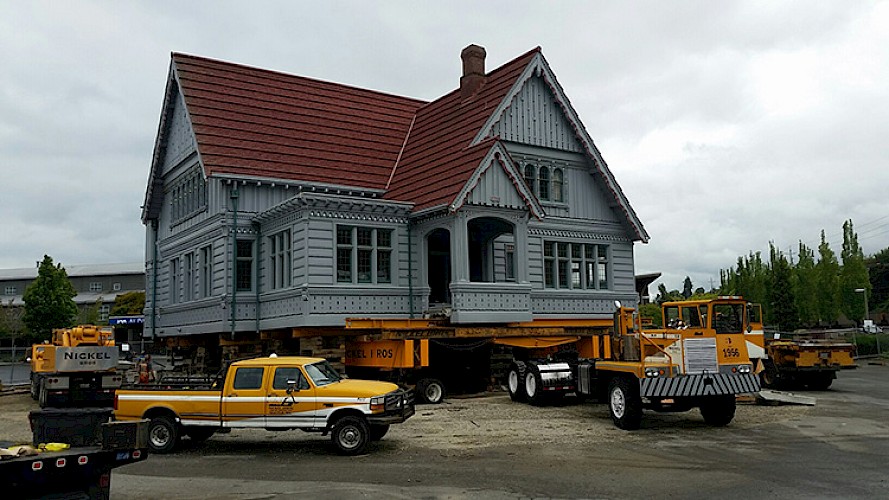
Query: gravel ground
{"x":473,"y":423}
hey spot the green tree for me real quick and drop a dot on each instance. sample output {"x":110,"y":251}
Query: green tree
{"x":806,"y":286}
{"x":652,"y":311}
{"x":749,"y":279}
{"x":782,"y":303}
{"x":49,"y":300}
{"x":878,"y":270}
{"x":827,"y":272}
{"x":853,"y":275}
{"x":128,"y":304}
{"x":90,"y":315}
{"x":687,"y":288}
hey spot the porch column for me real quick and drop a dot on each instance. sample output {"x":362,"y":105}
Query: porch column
{"x":521,"y":249}
{"x":460,"y":249}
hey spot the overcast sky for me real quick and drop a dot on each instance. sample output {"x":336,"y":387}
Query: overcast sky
{"x":727,"y":124}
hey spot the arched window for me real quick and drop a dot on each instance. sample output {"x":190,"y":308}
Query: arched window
{"x":558,"y":185}
{"x":530,"y":178}
{"x":543,"y":191}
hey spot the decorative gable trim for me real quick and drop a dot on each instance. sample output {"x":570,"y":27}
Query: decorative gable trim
{"x":498,"y":155}
{"x":539,"y":67}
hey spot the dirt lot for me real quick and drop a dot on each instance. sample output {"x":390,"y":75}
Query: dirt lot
{"x":471,"y":423}
{"x":490,"y":447}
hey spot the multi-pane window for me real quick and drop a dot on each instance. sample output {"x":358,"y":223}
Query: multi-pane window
{"x":188,"y":195}
{"x":280,"y":262}
{"x":188,"y":282}
{"x":174,"y":280}
{"x":363,"y":255}
{"x":104,"y":311}
{"x":10,"y":290}
{"x":509,"y":254}
{"x":558,"y":185}
{"x":545,"y":182}
{"x":244,"y":266}
{"x":575,"y":265}
{"x":206,"y":271}
{"x":95,"y":286}
{"x":531,"y":178}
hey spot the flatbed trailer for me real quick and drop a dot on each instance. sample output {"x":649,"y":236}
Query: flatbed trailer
{"x":81,"y":471}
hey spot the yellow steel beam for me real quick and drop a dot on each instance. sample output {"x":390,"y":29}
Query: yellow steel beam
{"x":564,"y":323}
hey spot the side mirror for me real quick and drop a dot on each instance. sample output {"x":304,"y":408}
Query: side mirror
{"x":291,"y":386}
{"x":617,"y":304}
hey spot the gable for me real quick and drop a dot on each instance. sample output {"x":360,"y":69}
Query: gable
{"x":496,"y":183}
{"x":178,"y":136}
{"x":535,"y":118}
{"x":494,"y":187}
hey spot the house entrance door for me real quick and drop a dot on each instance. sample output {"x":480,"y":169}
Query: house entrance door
{"x":438,"y":258}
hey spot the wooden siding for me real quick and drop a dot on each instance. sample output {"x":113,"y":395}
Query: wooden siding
{"x":495,"y":188}
{"x":535,"y":118}
{"x":180,"y":141}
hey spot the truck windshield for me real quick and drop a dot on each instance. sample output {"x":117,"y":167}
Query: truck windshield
{"x":322,"y":373}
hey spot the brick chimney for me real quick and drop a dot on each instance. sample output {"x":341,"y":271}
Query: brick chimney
{"x":473,"y":70}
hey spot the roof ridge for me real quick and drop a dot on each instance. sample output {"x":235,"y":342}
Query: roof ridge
{"x":198,"y":59}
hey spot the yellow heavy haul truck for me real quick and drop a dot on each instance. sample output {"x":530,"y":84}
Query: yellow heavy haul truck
{"x":707,"y":355}
{"x":77,"y":367}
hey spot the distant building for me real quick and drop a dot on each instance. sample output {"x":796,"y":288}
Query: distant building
{"x":277,"y":203}
{"x":94,"y":283}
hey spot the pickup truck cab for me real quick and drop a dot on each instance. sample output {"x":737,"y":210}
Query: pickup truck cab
{"x":275,"y":393}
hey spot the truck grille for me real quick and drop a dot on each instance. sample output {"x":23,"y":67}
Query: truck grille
{"x":700,"y":356}
{"x":397,"y":400}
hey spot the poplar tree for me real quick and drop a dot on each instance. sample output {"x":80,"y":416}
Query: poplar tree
{"x":805,"y":286}
{"x":827,"y":294}
{"x":853,"y":275}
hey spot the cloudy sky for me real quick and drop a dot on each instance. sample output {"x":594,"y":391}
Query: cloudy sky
{"x":727,"y":124}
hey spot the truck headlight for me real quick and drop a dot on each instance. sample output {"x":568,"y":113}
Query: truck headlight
{"x":745,"y":369}
{"x":654,"y":372}
{"x":378,"y":403}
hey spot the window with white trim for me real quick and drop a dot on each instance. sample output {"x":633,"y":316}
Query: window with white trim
{"x":280,"y":260}
{"x":10,"y":290}
{"x":244,"y":266}
{"x":104,"y":311}
{"x":115,"y":287}
{"x":363,"y":255}
{"x":583,"y":266}
{"x":95,"y":286}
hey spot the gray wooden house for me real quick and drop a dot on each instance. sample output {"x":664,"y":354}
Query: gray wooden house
{"x":277,"y":203}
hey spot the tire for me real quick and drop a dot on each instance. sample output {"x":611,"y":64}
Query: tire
{"x":625,"y":403}
{"x":534,"y":386}
{"x":819,"y":381}
{"x":768,"y":377}
{"x":718,"y":411}
{"x":42,"y":395}
{"x":163,"y":435}
{"x":35,"y":388}
{"x":378,"y":431}
{"x":430,"y":390}
{"x":515,"y":383}
{"x":199,"y":434}
{"x":350,"y":435}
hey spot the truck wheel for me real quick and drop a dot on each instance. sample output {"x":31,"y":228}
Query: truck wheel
{"x":42,"y":396}
{"x":718,"y":411}
{"x":199,"y":434}
{"x":350,"y":435}
{"x":515,"y":383}
{"x":378,"y":431}
{"x":534,"y":386}
{"x":163,"y":435}
{"x":625,"y":403}
{"x":768,"y":377}
{"x":430,"y":390}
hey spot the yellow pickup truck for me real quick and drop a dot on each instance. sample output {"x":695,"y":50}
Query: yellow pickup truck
{"x":275,"y":393}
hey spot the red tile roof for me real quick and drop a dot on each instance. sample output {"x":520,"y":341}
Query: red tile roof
{"x":260,"y":123}
{"x":438,"y":160}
